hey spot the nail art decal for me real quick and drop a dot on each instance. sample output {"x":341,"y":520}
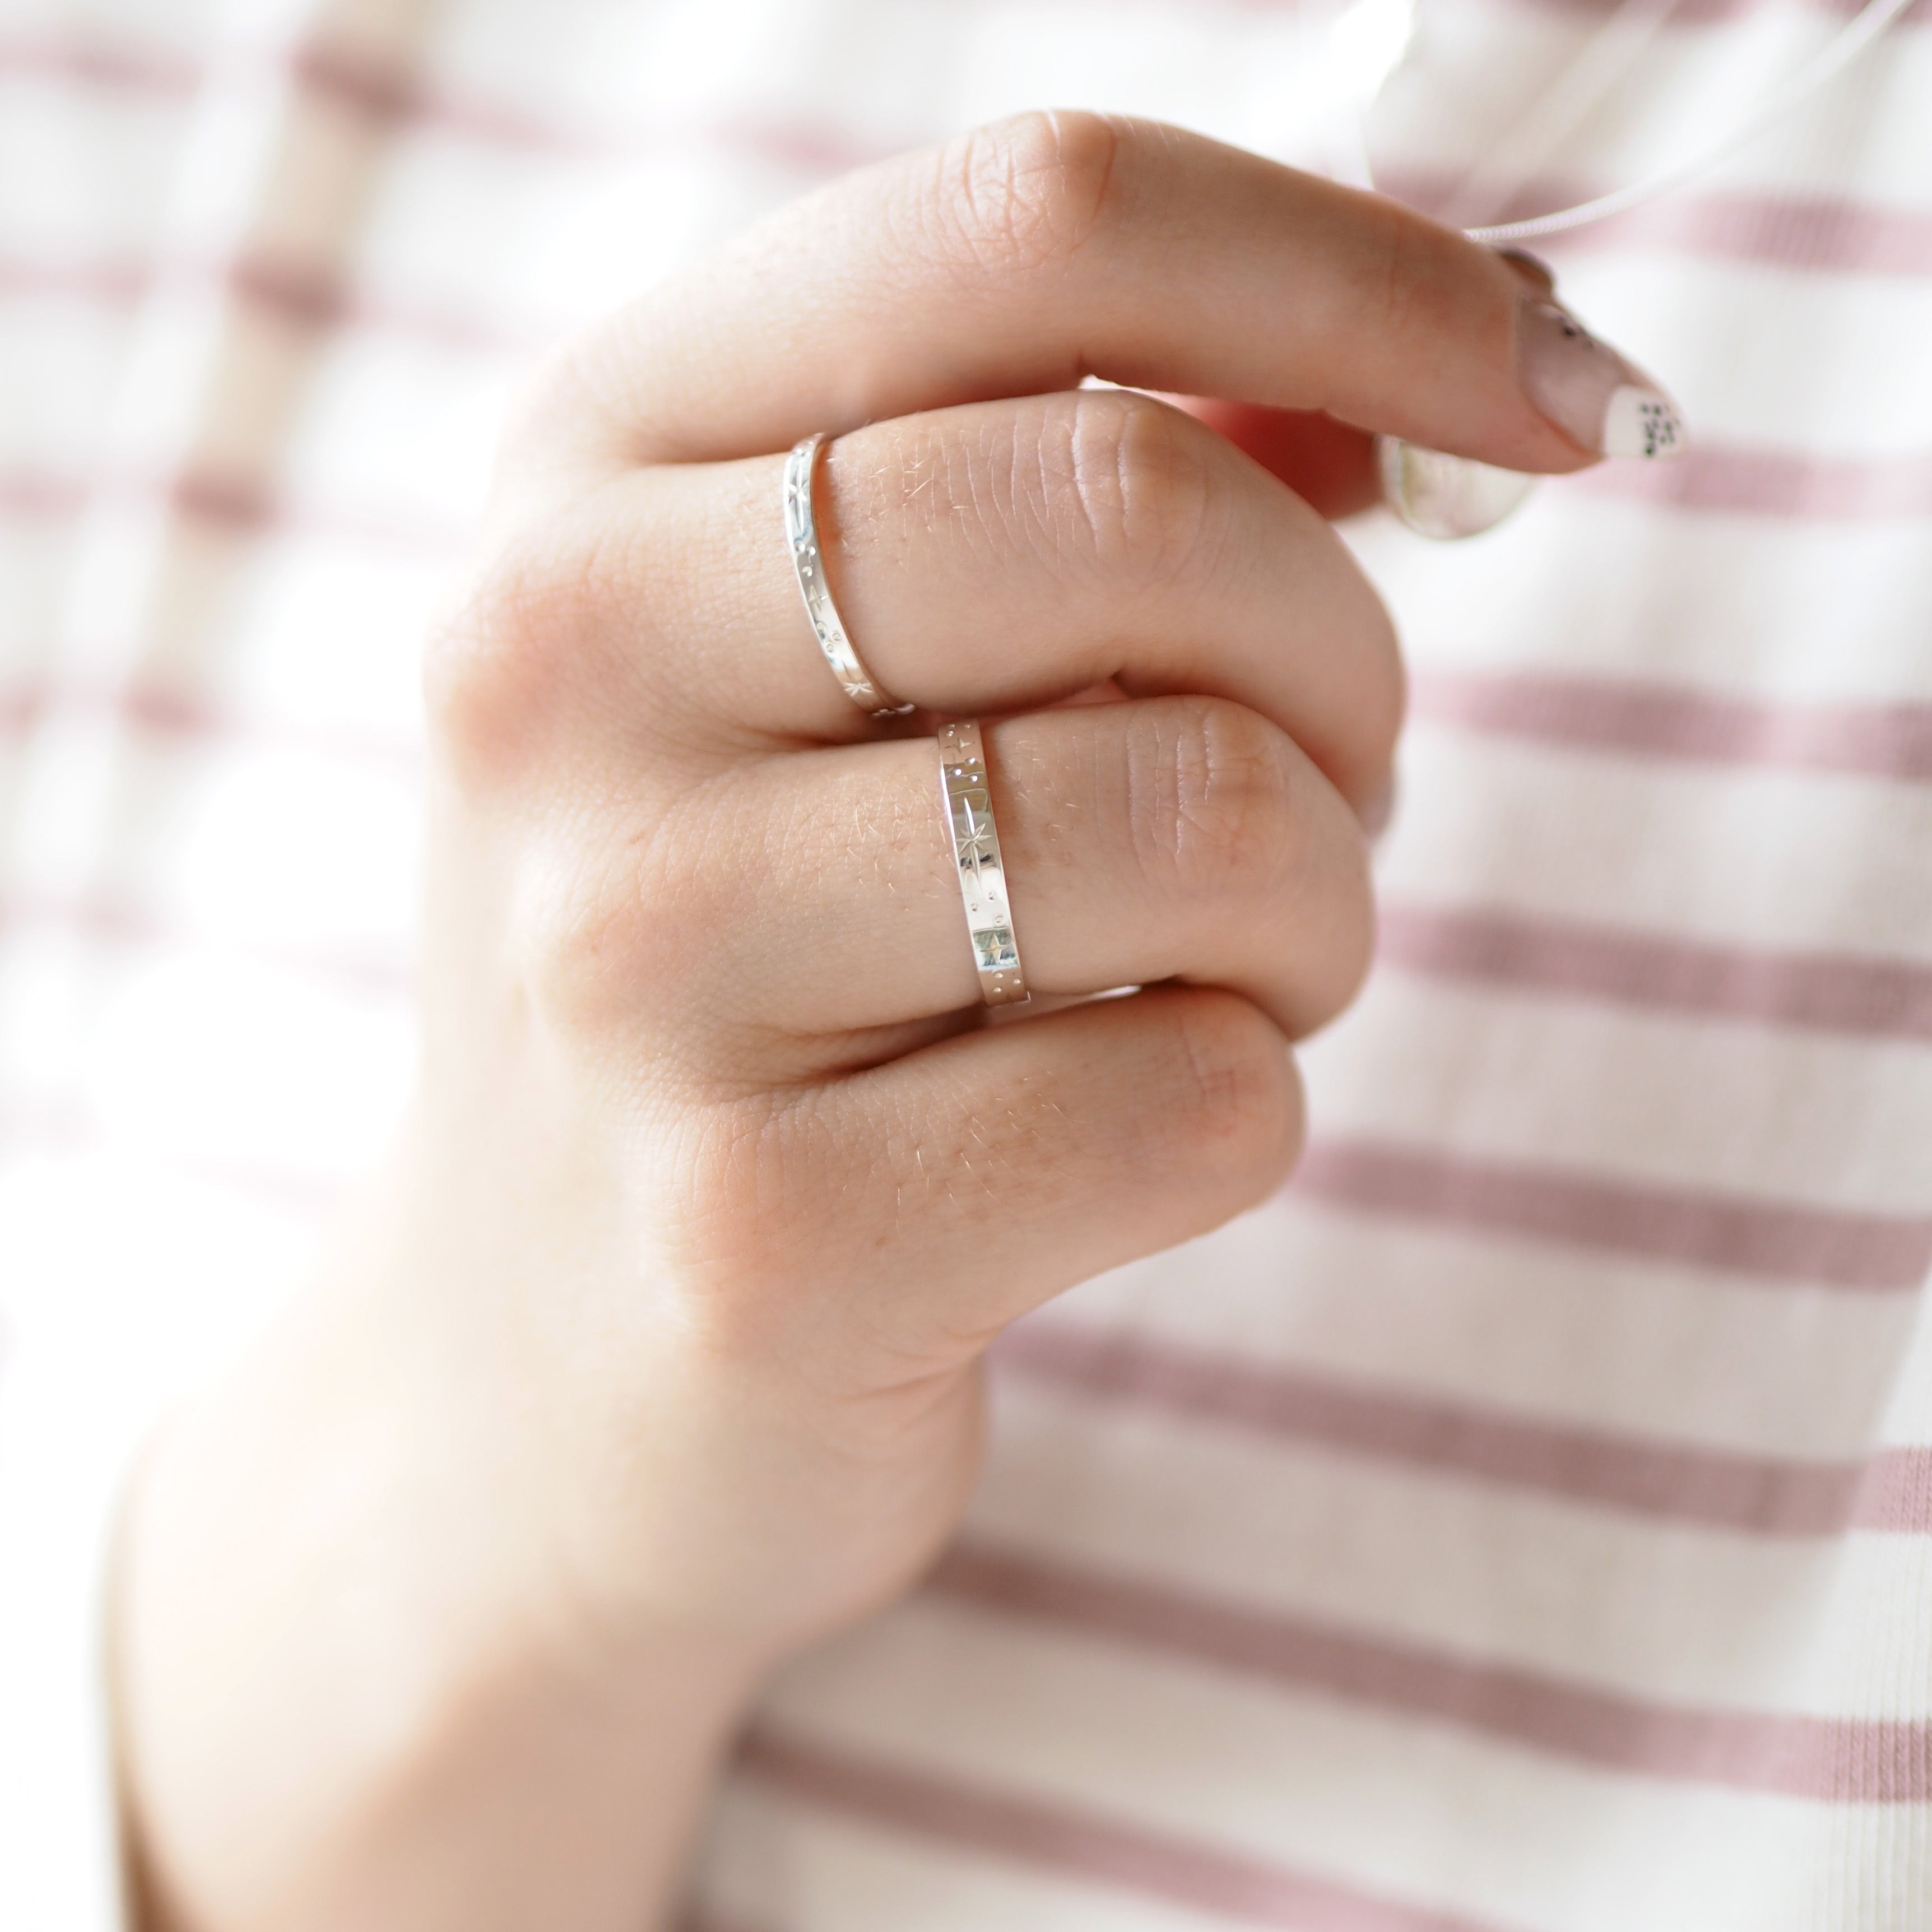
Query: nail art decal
{"x":1641,"y":422}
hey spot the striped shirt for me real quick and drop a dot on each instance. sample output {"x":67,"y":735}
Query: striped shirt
{"x":1522,"y":1523}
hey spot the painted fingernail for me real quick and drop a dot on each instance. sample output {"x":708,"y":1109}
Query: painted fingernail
{"x":1589,"y":391}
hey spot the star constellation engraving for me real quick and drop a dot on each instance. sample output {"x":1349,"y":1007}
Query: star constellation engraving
{"x":976,"y":847}
{"x":973,"y":840}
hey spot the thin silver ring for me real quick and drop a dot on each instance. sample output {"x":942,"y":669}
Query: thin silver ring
{"x":801,"y":533}
{"x":982,"y":875}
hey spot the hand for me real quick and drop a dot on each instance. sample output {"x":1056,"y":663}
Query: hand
{"x":659,"y":1357}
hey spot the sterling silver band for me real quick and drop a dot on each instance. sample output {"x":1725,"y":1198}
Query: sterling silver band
{"x":801,"y":533}
{"x":982,"y":877}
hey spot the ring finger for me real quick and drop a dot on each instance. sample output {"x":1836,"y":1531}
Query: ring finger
{"x":1183,"y":837}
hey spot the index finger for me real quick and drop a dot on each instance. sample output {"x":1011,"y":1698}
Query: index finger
{"x":1027,"y":256}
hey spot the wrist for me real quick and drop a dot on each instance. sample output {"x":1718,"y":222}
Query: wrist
{"x":349,"y":1690}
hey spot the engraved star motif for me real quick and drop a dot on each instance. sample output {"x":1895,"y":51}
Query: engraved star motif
{"x":976,"y":847}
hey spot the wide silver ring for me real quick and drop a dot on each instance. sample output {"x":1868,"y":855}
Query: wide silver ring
{"x":982,"y":876}
{"x":801,"y":533}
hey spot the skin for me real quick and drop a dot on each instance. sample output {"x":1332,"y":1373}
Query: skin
{"x":655,"y":1355}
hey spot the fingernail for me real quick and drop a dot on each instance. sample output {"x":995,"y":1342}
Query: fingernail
{"x":1443,"y":497}
{"x":1531,"y":268}
{"x":1589,"y":391}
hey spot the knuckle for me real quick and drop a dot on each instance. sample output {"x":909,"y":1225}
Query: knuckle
{"x":571,"y":382}
{"x":1397,"y":287}
{"x":1211,"y":798}
{"x":571,"y":931}
{"x":596,"y":896}
{"x":1136,"y":491}
{"x":1412,"y":284}
{"x":493,"y":661}
{"x":1234,"y":1107}
{"x":577,"y":913}
{"x":745,"y":1170}
{"x":1024,"y":195}
{"x":567,"y":606}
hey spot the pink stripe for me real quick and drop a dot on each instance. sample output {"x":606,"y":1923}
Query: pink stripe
{"x":1800,"y":231}
{"x":1809,"y":232}
{"x":365,"y":83}
{"x":115,"y":283}
{"x":1676,"y":1481}
{"x":1078,"y":1843}
{"x":162,"y":711}
{"x":362,"y":81}
{"x":358,"y":80}
{"x":812,"y":149}
{"x":86,"y":61}
{"x":1732,"y":1233}
{"x":1813,"y":232}
{"x":1885,"y":999}
{"x":297,"y":295}
{"x":1843,"y":1760}
{"x":1710,"y":13}
{"x":110,"y":922}
{"x":89,"y":59}
{"x":304,"y":297}
{"x":20,"y":709}
{"x":1674,"y":722}
{"x":248,"y":506}
{"x":33,"y":496}
{"x":1819,"y":233}
{"x":245,"y":506}
{"x":1784,"y":483}
{"x":1896,"y":1494}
